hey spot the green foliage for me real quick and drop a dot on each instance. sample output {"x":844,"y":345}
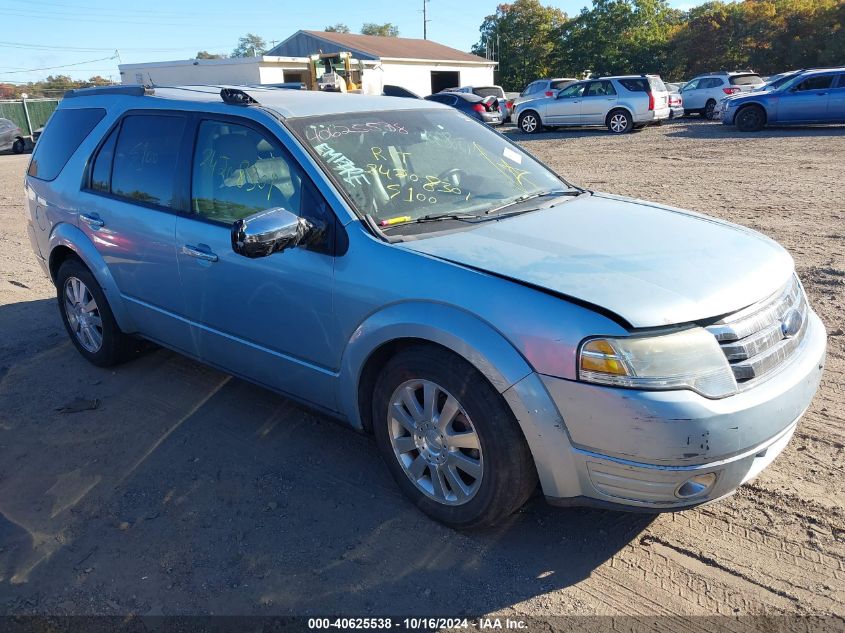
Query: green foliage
{"x":207,"y":55}
{"x":337,"y":28}
{"x":250,"y":45}
{"x":385,"y":30}
{"x":521,"y":37}
{"x":52,"y":86}
{"x":648,"y":36}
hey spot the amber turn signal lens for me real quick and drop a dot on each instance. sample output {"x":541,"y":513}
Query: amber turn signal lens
{"x":600,"y":356}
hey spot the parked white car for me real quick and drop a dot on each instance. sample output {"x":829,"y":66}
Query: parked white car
{"x":702,"y":94}
{"x":11,"y":137}
{"x":620,"y":103}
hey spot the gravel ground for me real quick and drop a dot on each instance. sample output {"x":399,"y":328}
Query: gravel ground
{"x":186,"y":491}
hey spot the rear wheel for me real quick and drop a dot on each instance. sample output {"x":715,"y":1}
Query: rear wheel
{"x":709,"y":108}
{"x":750,"y":119}
{"x":619,"y":122}
{"x":88,"y":318}
{"x":18,"y":146}
{"x":449,"y":439}
{"x":529,"y":122}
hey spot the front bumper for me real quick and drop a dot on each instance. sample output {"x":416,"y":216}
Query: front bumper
{"x":635,"y":449}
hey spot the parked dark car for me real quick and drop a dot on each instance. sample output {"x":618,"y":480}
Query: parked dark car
{"x":484,"y":109}
{"x":389,"y":90}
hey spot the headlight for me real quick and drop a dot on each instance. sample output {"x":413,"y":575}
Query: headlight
{"x":689,"y":359}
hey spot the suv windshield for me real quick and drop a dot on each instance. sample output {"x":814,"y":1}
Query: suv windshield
{"x":400,"y":166}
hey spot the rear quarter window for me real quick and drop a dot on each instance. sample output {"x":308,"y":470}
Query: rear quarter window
{"x":656,"y":84}
{"x":64,"y":132}
{"x":746,"y":80}
{"x":637,"y":84}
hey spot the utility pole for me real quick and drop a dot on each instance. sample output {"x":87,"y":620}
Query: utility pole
{"x":425,"y":19}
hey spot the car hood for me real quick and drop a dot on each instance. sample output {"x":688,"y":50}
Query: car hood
{"x":649,"y":264}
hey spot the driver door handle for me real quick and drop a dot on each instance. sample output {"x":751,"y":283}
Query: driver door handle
{"x":193,"y":251}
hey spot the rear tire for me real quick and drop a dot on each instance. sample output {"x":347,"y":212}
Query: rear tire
{"x":18,"y":146}
{"x":709,"y":107}
{"x":530,"y":122}
{"x":449,"y":439}
{"x":619,"y":122}
{"x":88,"y":318}
{"x":750,"y":119}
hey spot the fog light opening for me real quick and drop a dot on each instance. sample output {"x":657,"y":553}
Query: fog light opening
{"x":696,"y":486}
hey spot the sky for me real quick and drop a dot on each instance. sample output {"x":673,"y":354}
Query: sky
{"x":90,"y":37}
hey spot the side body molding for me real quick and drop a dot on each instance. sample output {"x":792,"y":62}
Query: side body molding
{"x":70,"y":236}
{"x":463,"y":333}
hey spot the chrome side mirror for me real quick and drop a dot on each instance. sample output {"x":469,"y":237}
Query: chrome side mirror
{"x":270,"y":231}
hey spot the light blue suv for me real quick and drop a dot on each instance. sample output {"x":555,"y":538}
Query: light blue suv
{"x":411,"y":272}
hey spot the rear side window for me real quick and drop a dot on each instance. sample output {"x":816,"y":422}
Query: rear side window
{"x":600,"y":89}
{"x":656,"y":84}
{"x":64,"y":132}
{"x":145,"y":158}
{"x":746,"y":80}
{"x":557,"y":85}
{"x":637,"y":84}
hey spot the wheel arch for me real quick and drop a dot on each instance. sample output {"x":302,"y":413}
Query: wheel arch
{"x":66,"y":241}
{"x":617,"y":108}
{"x":402,"y":325}
{"x":752,"y":104}
{"x":533,"y":111}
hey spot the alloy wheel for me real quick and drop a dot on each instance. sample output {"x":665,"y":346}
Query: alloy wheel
{"x":435,"y":442}
{"x":529,"y":123}
{"x":618,"y":123}
{"x":83,"y":315}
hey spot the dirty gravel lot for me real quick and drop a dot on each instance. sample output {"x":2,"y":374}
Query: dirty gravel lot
{"x":188,"y":491}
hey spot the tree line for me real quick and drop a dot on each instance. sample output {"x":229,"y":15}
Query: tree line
{"x":530,"y":40}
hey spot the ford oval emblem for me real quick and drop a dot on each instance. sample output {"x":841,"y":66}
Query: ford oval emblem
{"x":791,"y":323}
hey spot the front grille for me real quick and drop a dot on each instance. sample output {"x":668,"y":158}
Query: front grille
{"x":758,"y":340}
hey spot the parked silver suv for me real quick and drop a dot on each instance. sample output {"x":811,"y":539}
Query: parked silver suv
{"x":620,"y":103}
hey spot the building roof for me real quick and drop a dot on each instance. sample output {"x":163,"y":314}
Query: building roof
{"x":304,"y":43}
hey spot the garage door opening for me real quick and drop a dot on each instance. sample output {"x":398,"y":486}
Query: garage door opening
{"x":442,"y":79}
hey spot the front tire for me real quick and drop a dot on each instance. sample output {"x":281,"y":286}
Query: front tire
{"x":750,"y":119}
{"x":449,"y":439}
{"x":619,"y":122}
{"x":530,"y":123}
{"x":88,"y":318}
{"x":18,"y":146}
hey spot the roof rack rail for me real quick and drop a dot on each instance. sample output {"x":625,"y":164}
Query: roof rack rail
{"x":129,"y":91}
{"x":236,"y":96}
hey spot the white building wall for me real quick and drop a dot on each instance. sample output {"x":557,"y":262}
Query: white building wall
{"x":416,"y":76}
{"x":250,"y":70}
{"x":413,"y":75}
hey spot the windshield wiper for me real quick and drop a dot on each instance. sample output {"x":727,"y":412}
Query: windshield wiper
{"x":531,"y":196}
{"x":435,"y":217}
